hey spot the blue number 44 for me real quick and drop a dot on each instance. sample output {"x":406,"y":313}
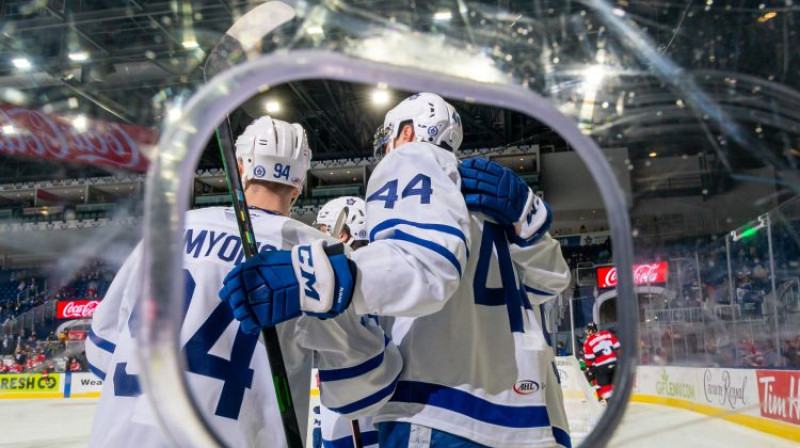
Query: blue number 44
{"x":235,"y":373}
{"x":419,"y":185}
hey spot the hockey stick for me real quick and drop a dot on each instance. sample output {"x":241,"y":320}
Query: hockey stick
{"x":240,"y":39}
{"x":336,"y":232}
{"x":339,"y":225}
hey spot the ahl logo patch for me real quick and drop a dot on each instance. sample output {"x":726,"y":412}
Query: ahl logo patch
{"x":526,"y":387}
{"x":259,"y":171}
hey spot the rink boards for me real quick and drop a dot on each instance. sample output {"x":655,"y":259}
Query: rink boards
{"x":766,"y":400}
{"x":54,"y":385}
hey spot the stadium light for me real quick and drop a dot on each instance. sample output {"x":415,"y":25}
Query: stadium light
{"x":190,"y":44}
{"x":22,"y":63}
{"x":272,"y":107}
{"x":315,"y":30}
{"x":380,"y":96}
{"x":442,"y":16}
{"x":9,"y":129}
{"x":594,"y":75}
{"x":78,"y":56}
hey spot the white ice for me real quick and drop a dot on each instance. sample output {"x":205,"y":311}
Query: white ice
{"x":66,"y":424}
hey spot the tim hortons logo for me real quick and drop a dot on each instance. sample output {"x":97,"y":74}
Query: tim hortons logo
{"x":643,"y":274}
{"x":78,"y":309}
{"x":526,"y":387}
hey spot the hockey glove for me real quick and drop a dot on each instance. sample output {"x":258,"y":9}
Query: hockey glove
{"x":276,"y":286}
{"x":499,"y":193}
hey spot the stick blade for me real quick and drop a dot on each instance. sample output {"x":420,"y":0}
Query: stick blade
{"x":339,"y":225}
{"x":243,"y":38}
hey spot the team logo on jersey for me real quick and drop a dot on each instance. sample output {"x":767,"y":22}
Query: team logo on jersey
{"x":433,"y":130}
{"x":259,"y":171}
{"x":307,"y":271}
{"x":351,"y":201}
{"x":526,"y":387}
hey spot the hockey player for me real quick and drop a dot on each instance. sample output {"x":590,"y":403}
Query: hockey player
{"x":354,"y":231}
{"x":464,"y":325}
{"x":600,"y":356}
{"x":226,"y":361}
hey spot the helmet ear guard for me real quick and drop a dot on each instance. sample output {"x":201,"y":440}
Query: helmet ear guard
{"x":434,"y":120}
{"x":274,"y":151}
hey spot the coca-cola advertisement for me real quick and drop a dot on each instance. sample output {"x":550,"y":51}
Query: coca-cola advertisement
{"x":76,"y":309}
{"x":31,"y":133}
{"x":643,"y":274}
{"x":779,"y":395}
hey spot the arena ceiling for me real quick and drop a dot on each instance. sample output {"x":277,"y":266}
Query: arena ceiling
{"x":121,"y":58}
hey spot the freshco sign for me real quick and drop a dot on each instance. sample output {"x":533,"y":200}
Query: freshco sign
{"x":643,"y":274}
{"x":76,"y":309}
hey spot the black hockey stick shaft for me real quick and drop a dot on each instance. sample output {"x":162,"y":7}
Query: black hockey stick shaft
{"x":356,"y":430}
{"x":277,"y":366}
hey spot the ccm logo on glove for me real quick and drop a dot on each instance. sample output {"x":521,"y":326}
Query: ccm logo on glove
{"x":306,"y":264}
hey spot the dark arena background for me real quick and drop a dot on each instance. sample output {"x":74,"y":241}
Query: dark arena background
{"x":691,"y":107}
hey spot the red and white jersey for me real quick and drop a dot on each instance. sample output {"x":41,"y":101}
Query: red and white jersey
{"x":600,"y":348}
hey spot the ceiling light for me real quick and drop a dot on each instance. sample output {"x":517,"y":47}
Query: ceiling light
{"x":72,"y":102}
{"x":768,"y":16}
{"x":21,"y":63}
{"x":653,"y":154}
{"x":315,"y":30}
{"x":78,"y":56}
{"x":442,"y":16}
{"x":380,"y":96}
{"x":9,"y":129}
{"x":594,"y":75}
{"x":272,"y":107}
{"x":190,"y":44}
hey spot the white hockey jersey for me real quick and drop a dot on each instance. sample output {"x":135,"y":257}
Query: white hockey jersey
{"x":475,"y":359}
{"x":228,"y":370}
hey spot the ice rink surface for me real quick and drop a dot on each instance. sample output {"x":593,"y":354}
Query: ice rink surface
{"x":66,"y":424}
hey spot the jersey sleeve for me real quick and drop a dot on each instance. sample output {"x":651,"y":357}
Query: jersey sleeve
{"x":543,"y":271}
{"x":358,"y":364}
{"x":588,"y":352}
{"x":419,"y":231}
{"x":110,"y":315}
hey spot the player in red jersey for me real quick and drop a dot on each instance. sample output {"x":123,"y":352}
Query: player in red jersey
{"x":600,"y":356}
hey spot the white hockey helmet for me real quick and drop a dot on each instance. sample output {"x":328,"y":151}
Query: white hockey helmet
{"x":434,"y":119}
{"x":275,"y":151}
{"x":356,"y":218}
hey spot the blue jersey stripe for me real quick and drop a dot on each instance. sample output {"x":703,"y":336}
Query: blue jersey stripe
{"x":466,"y":404}
{"x":97,"y":372}
{"x":538,"y":292}
{"x":389,"y":223}
{"x":562,"y":437}
{"x":101,"y":343}
{"x":367,"y":438}
{"x":367,"y":401}
{"x":344,"y":373}
{"x":439,"y":249}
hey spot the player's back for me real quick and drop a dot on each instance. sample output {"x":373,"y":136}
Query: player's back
{"x":599,"y":348}
{"x":228,"y":370}
{"x":474,"y":367}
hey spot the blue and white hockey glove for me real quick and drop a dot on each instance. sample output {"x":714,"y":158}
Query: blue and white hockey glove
{"x":276,"y":286}
{"x":499,"y":193}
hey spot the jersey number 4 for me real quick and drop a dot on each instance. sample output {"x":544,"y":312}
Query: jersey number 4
{"x":420,"y":186}
{"x":494,"y":243}
{"x":235,"y":373}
